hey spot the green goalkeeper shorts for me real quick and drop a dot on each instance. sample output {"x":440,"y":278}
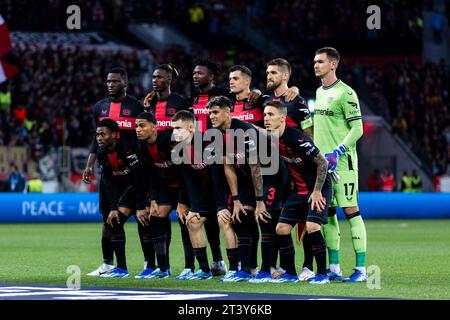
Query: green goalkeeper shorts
{"x":346,"y":191}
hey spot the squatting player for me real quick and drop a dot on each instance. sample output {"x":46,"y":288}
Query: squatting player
{"x":244,"y":179}
{"x":308,"y":201}
{"x":122,"y":108}
{"x":338,"y":126}
{"x":121,"y":170}
{"x":298,"y":116}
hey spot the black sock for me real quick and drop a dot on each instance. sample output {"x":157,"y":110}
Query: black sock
{"x":319,"y":250}
{"x":267,"y":244}
{"x":202,"y":258}
{"x":233,"y":258}
{"x":159,"y":237}
{"x":244,"y":235}
{"x":307,"y":250}
{"x":107,"y":248}
{"x":274,"y":221}
{"x":147,"y":244}
{"x":287,"y":253}
{"x":118,"y":240}
{"x":254,"y":245}
{"x":189,"y":257}
{"x":168,"y":238}
{"x":213,"y":234}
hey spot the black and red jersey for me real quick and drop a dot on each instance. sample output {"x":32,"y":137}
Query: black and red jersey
{"x":298,"y":114}
{"x":158,"y":155}
{"x":198,"y":101}
{"x":124,"y":112}
{"x":298,"y":151}
{"x":120,"y":168}
{"x":164,"y":110}
{"x":251,"y":113}
{"x":198,"y":180}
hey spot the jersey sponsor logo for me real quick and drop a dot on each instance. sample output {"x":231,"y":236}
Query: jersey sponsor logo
{"x":200,"y":111}
{"x":165,"y":164}
{"x":104,"y":111}
{"x":123,"y":172}
{"x":295,"y":160}
{"x":323,"y":112}
{"x":199,"y":166}
{"x":164,"y":123}
{"x":245,"y":117}
{"x":124,"y":124}
{"x":133,"y":159}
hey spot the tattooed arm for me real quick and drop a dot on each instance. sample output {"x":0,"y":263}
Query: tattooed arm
{"x":322,"y":168}
{"x":257,"y":179}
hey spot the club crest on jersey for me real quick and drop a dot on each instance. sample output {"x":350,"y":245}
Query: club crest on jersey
{"x":170,"y":111}
{"x":126,"y":112}
{"x":104,"y":111}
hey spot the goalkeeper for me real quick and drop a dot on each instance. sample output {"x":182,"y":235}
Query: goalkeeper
{"x":338,"y":126}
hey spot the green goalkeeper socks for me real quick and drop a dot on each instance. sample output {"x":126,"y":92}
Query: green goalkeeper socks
{"x":359,"y":238}
{"x":332,"y":238}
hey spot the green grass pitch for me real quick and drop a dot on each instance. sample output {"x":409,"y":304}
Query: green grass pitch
{"x":412,"y":256}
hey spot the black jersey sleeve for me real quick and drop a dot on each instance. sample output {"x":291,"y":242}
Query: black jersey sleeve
{"x":134,"y":162}
{"x":107,"y":177}
{"x":302,"y":144}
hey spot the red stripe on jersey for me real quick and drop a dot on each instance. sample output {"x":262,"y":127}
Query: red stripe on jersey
{"x":112,"y":158}
{"x":201,"y":112}
{"x":154,"y":153}
{"x":125,"y":123}
{"x":162,"y":120}
{"x":291,"y":123}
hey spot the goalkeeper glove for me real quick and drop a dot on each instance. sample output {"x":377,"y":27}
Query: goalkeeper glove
{"x":333,"y":157}
{"x":334,"y":176}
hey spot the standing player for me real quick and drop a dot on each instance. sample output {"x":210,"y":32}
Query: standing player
{"x":310,"y":198}
{"x":244,"y":179}
{"x":121,"y":173}
{"x":338,"y":126}
{"x":298,"y":116}
{"x":122,"y":108}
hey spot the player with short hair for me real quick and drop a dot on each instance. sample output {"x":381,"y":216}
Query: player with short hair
{"x":338,"y":126}
{"x":164,"y":187}
{"x":244,"y":179}
{"x":198,"y":185}
{"x":121,"y":173}
{"x":122,"y":108}
{"x":310,"y":198}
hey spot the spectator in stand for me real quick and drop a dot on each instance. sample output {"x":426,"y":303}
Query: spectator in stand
{"x":374,"y":181}
{"x":416,"y":182}
{"x":405,"y":183}
{"x":388,"y":181}
{"x":16,"y":181}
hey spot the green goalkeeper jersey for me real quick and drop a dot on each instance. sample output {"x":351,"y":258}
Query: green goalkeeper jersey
{"x":337,"y":120}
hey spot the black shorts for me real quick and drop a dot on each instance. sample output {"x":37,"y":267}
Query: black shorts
{"x":168,"y":197}
{"x":128,"y":199}
{"x":125,"y":192}
{"x":273,"y":192}
{"x":297,"y":209}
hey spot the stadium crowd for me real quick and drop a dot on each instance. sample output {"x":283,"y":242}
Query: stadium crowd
{"x":414,"y":99}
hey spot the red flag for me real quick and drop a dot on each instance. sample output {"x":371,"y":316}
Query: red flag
{"x":8,"y":68}
{"x":5,"y":41}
